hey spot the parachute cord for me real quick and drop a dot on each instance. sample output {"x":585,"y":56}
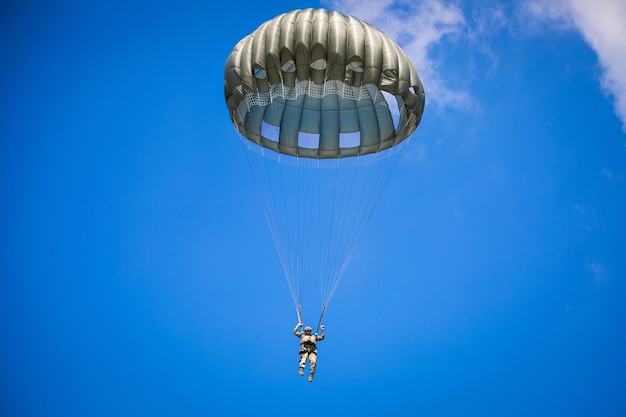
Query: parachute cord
{"x":341,"y":204}
{"x":348,"y":225}
{"x":319,"y":323}
{"x":299,"y":262}
{"x":299,"y":313}
{"x":261,"y":176}
{"x":332,"y":252}
{"x":335,"y":276}
{"x":338,"y":252}
{"x":318,"y":186}
{"x":388,"y":163}
{"x":360,"y":187}
{"x":291,"y":270}
{"x":304,"y":225}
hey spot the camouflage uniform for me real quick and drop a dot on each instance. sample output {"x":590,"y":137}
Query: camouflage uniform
{"x":308,"y":349}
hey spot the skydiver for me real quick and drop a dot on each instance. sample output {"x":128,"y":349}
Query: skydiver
{"x":308,"y":348}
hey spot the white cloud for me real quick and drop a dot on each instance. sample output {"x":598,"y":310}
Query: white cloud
{"x":416,"y":153}
{"x":607,"y":173}
{"x":585,"y":220}
{"x":420,"y":26}
{"x":555,"y":10}
{"x":603,"y":25}
{"x":611,"y":175}
{"x":417,"y":26}
{"x":599,"y":272}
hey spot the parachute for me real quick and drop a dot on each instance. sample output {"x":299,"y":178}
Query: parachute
{"x":323,"y":103}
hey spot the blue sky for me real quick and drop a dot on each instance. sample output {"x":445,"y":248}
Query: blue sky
{"x":139,"y":276}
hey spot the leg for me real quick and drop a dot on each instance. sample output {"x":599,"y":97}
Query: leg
{"x":312,"y":364}
{"x":302,"y":364}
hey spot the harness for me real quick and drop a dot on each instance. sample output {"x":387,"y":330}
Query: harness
{"x":308,"y":346}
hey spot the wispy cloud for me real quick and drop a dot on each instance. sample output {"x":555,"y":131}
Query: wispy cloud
{"x":420,"y":26}
{"x":489,"y":18}
{"x":599,"y":272}
{"x":611,"y":175}
{"x":607,"y":173}
{"x":416,"y":153}
{"x":417,"y":26}
{"x":603,"y":25}
{"x":585,"y":218}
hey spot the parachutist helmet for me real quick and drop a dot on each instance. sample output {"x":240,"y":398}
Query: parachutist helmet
{"x":308,"y":329}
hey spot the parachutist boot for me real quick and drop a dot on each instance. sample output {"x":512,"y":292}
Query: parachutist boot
{"x":301,"y":371}
{"x":311,"y":378}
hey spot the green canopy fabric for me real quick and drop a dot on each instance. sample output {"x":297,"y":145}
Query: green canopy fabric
{"x":320,"y":84}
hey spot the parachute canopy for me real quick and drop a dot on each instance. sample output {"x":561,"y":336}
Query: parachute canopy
{"x":319,"y":84}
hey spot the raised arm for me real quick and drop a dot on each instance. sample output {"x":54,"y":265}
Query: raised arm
{"x":295,"y":329}
{"x":321,"y":337}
